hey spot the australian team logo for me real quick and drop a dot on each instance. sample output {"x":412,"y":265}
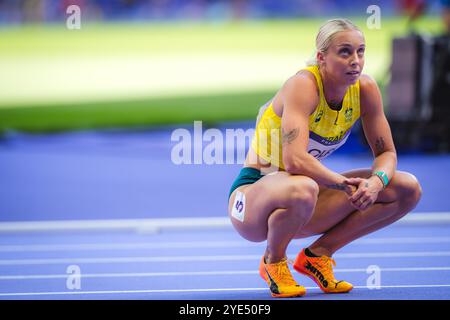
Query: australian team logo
{"x":348,"y":115}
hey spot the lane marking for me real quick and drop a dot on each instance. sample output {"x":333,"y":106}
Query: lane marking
{"x":9,"y":262}
{"x":201,"y":244}
{"x":130,"y":246}
{"x":173,"y":224}
{"x":15,"y":294}
{"x":199,"y":273}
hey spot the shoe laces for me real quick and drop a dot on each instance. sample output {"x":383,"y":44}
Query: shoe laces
{"x":282,"y":273}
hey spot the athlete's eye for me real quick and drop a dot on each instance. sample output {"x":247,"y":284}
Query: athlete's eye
{"x":361,"y":51}
{"x":344,"y":52}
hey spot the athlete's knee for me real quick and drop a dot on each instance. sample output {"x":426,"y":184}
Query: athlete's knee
{"x":409,"y":188}
{"x":303,"y":193}
{"x":255,"y":237}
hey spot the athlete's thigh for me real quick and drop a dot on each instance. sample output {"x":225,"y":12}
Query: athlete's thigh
{"x":269,"y":193}
{"x":332,"y":207}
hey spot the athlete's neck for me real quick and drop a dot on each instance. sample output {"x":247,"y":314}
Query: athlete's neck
{"x":333,"y":90}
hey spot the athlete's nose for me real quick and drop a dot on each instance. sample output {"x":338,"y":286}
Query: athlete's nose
{"x":355,"y":60}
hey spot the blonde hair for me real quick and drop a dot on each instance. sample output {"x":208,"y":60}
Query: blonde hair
{"x":326,"y":33}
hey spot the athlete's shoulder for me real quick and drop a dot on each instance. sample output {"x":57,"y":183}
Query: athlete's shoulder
{"x":301,"y":91}
{"x":307,"y":76}
{"x":368,"y":87}
{"x":303,"y":82}
{"x":370,"y":95}
{"x":367,"y":83}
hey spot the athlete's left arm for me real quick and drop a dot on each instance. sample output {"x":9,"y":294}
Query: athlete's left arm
{"x":378,"y":134}
{"x":376,"y":127}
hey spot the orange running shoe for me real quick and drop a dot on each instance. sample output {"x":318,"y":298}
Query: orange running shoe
{"x":320,"y":270}
{"x":280,"y":280}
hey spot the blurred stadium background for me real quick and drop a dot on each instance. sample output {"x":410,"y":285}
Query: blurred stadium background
{"x":86,"y":114}
{"x":86,"y":123}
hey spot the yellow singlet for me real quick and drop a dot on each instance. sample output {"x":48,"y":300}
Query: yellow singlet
{"x":328,"y":128}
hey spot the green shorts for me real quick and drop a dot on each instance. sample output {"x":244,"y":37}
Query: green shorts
{"x":246,"y":176}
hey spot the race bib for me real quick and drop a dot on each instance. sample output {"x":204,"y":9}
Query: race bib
{"x":238,"y":211}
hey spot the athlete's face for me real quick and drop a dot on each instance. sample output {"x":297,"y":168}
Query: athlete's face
{"x":344,"y":59}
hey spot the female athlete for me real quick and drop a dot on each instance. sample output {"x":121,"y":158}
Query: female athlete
{"x":284,"y":192}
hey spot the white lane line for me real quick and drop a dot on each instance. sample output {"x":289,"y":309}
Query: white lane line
{"x":403,"y":240}
{"x":201,"y":244}
{"x":15,"y":294}
{"x":126,"y":275}
{"x":410,"y":286}
{"x":173,"y":224}
{"x":130,"y":246}
{"x":198,"y":273}
{"x":402,"y":254}
{"x":9,"y":262}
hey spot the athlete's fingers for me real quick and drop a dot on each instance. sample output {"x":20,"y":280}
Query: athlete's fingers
{"x":362,"y":190}
{"x":362,"y":201}
{"x":353,"y":189}
{"x":358,"y":194}
{"x":353,"y":181}
{"x":350,"y":190}
{"x":366,"y":204}
{"x":359,"y":201}
{"x":356,"y":206}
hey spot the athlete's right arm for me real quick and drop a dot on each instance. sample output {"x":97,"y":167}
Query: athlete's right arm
{"x":300,"y":99}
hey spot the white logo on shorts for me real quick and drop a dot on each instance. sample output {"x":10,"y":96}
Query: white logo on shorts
{"x":238,"y":211}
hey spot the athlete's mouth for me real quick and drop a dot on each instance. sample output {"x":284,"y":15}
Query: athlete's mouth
{"x":353,"y":73}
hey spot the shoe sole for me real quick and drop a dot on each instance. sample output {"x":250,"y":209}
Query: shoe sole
{"x":283,"y":295}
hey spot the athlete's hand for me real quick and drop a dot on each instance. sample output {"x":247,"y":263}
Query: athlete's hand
{"x":367,"y":192}
{"x":350,"y":189}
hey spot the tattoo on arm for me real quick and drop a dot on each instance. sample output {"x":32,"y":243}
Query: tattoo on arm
{"x":379,"y":145}
{"x":337,"y":186}
{"x":289,"y":136}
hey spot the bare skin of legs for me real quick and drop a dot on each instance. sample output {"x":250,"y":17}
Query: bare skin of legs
{"x":277,"y":206}
{"x":339,"y":223}
{"x":280,"y":207}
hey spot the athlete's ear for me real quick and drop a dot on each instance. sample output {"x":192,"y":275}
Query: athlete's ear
{"x":320,"y":57}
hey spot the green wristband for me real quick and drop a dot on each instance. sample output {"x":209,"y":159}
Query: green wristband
{"x":383,"y":176}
